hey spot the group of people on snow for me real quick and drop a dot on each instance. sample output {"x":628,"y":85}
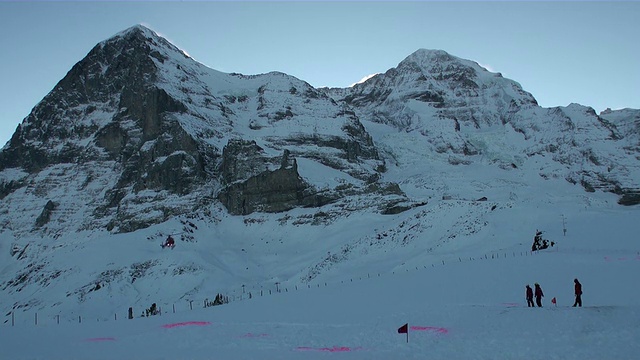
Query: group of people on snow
{"x":538,"y":294}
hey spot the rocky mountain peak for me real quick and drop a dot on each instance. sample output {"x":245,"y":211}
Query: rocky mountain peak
{"x":427,"y":57}
{"x":110,"y":79}
{"x":138,"y":122}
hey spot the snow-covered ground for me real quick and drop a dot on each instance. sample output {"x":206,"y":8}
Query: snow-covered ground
{"x":470,"y":307}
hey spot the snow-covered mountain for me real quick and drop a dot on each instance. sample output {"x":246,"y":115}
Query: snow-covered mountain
{"x":264,"y":179}
{"x":467,"y":114}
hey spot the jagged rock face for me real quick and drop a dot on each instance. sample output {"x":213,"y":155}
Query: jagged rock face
{"x":137,"y":122}
{"x":109,"y":119}
{"x":45,"y":216}
{"x":626,"y":123}
{"x":110,"y":74}
{"x":466,"y":114}
{"x":255,"y":182}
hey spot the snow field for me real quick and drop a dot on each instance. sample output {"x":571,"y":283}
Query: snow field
{"x":479,"y":304}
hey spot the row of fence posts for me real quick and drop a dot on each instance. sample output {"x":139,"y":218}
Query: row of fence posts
{"x":278,"y":290}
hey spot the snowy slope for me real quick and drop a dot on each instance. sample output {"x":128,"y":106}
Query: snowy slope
{"x":469,"y":309}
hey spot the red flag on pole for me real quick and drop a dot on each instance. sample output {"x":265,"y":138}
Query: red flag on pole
{"x":404,"y":329}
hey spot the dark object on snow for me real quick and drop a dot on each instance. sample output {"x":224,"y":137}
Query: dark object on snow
{"x":169,"y":243}
{"x":538,"y":294}
{"x":539,"y":243}
{"x":219,"y":300}
{"x":130,"y":313}
{"x":484,"y":198}
{"x":578,"y":292}
{"x":529,"y":295}
{"x":153,"y":310}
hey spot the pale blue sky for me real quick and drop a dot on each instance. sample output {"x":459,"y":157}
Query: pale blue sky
{"x":584,"y":52}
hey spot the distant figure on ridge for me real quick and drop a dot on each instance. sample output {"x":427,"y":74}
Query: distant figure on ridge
{"x":578,"y":292}
{"x":529,"y":296}
{"x":539,"y":295}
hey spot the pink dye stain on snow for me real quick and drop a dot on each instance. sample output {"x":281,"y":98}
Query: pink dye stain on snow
{"x":100,"y":339}
{"x":251,"y":335}
{"x":327,"y":349}
{"x":187,"y":323}
{"x":439,"y":330}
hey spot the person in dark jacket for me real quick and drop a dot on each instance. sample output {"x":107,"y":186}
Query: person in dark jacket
{"x":538,"y":294}
{"x":529,"y":296}
{"x":578,"y":291}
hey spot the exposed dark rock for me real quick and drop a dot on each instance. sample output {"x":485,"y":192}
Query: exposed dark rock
{"x":398,"y":207}
{"x":630,"y":198}
{"x":45,"y":215}
{"x":270,"y":191}
{"x":9,"y":187}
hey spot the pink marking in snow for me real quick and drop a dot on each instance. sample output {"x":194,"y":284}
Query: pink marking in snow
{"x":100,"y":339}
{"x":251,"y":335}
{"x":326,"y":349}
{"x":440,"y":330}
{"x":622,"y":259}
{"x":196,"y":323}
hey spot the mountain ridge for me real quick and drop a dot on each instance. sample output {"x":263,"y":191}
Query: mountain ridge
{"x":139,"y":141}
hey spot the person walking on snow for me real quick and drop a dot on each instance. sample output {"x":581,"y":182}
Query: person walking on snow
{"x":529,"y":296}
{"x":539,"y":295}
{"x":578,"y":292}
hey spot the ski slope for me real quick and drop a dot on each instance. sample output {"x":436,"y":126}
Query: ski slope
{"x":470,"y":307}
